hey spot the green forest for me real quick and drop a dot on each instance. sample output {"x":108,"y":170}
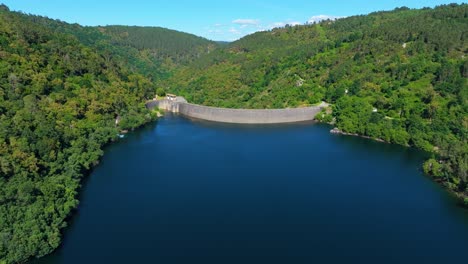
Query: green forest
{"x":399,"y":76}
{"x":62,"y":87}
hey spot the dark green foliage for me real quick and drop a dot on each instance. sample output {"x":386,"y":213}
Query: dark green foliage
{"x":162,"y":43}
{"x":160,"y":92}
{"x":152,"y":51}
{"x":61,"y":89}
{"x":399,"y":76}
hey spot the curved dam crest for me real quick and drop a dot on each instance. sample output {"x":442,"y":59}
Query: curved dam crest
{"x":238,"y":116}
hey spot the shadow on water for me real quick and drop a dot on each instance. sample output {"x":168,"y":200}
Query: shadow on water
{"x":355,"y":142}
{"x":82,"y":196}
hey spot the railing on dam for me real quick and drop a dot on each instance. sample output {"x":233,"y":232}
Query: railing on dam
{"x":240,"y":116}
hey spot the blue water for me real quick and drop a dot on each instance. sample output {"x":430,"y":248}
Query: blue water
{"x":183,"y":191}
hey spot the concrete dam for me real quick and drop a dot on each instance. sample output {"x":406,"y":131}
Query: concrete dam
{"x":238,"y":116}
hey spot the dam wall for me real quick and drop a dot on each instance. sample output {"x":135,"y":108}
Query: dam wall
{"x":239,"y":116}
{"x":164,"y":104}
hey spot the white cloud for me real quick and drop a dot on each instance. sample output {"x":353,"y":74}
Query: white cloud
{"x":316,"y":19}
{"x":234,"y":31}
{"x":248,"y":22}
{"x":215,"y":31}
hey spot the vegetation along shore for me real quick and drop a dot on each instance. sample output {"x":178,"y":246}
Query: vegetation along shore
{"x":68,"y":90}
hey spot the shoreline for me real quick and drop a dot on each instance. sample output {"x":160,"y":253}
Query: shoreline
{"x":459,"y":196}
{"x":337,"y":131}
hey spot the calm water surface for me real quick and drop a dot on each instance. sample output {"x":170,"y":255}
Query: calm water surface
{"x":182,"y":191}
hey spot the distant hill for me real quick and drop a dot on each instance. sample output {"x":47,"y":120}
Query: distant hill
{"x":223,"y":43}
{"x":164,"y":44}
{"x":153,"y":51}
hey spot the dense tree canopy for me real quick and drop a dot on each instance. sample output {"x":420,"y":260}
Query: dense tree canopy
{"x":163,"y":44}
{"x":400,"y":76}
{"x":62,"y":88}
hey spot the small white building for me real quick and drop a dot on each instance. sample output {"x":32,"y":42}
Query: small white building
{"x":171,"y":97}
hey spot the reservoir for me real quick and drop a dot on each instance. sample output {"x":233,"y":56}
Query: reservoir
{"x":188,"y":191}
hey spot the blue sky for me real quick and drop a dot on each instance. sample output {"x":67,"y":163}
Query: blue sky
{"x":216,"y":20}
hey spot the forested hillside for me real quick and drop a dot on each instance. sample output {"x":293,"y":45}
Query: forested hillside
{"x":152,"y":51}
{"x":62,"y":88}
{"x":400,"y":76}
{"x":169,"y":46}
